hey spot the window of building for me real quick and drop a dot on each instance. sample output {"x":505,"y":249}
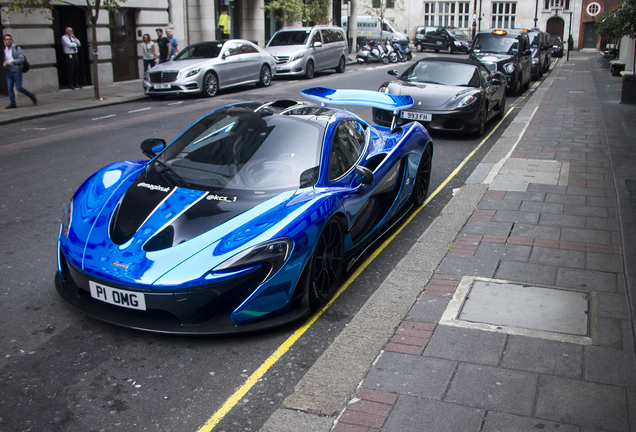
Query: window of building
{"x":445,"y":14}
{"x":593,"y":9}
{"x":429,"y":14}
{"x":463,"y":14}
{"x":503,"y":14}
{"x":556,"y":4}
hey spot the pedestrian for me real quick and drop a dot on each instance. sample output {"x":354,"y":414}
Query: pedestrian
{"x":13,"y":62}
{"x":173,"y":42}
{"x":149,"y":53}
{"x":70,"y":44}
{"x":165,"y":48}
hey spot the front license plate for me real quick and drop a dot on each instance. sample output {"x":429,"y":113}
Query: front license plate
{"x":118,"y":297}
{"x":162,"y":86}
{"x":410,"y":115}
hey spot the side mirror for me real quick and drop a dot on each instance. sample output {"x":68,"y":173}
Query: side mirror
{"x":496,"y":81}
{"x":364,"y":176}
{"x":317,"y":44}
{"x":527,"y":53}
{"x":393,"y":73}
{"x":151,"y":146}
{"x":224,"y":55}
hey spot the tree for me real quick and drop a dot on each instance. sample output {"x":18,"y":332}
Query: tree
{"x":307,"y":12}
{"x":609,"y":27}
{"x":92,"y":8}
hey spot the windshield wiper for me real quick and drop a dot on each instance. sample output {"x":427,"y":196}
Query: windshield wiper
{"x":168,"y":174}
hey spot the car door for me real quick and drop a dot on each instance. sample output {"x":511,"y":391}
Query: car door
{"x":250,"y":62}
{"x":318,"y":50}
{"x":228,"y":68}
{"x":430,"y":38}
{"x":490,"y":89}
{"x":525,"y":58}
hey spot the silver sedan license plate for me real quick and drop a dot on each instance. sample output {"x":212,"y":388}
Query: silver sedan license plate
{"x":118,"y":297}
{"x":412,"y":115}
{"x":162,"y":86}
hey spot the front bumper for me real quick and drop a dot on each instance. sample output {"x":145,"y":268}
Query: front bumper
{"x":464,"y":121}
{"x":170,"y":83}
{"x":293,"y":68}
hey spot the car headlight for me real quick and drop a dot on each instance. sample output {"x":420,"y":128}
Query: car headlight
{"x":383,"y":89}
{"x":274,"y":253}
{"x":193,"y":72}
{"x":298,"y":56}
{"x":457,"y":43}
{"x":535,"y":61}
{"x":67,"y":219}
{"x":467,"y":101}
{"x":509,"y":67}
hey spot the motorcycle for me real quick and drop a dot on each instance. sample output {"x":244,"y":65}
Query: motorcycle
{"x":388,"y":48}
{"x":368,"y":54}
{"x":403,"y":54}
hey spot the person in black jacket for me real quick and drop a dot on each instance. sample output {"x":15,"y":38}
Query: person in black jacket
{"x":13,"y":61}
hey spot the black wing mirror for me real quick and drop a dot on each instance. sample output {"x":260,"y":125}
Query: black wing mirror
{"x":364,"y":176}
{"x":393,"y":73}
{"x":151,"y":146}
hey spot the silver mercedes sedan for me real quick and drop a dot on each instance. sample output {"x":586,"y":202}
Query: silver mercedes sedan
{"x":206,"y":67}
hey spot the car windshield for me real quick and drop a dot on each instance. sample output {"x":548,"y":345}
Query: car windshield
{"x":496,"y":44}
{"x":445,"y":73}
{"x":457,"y":32}
{"x":200,"y":51}
{"x":291,"y":37}
{"x":555,"y":40}
{"x":238,"y":148}
{"x":535,"y":41}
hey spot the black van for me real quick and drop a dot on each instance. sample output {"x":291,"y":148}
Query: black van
{"x":510,"y":51}
{"x":448,"y":39}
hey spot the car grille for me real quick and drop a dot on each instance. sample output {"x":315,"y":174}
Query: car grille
{"x":163,"y":77}
{"x":281,"y":59}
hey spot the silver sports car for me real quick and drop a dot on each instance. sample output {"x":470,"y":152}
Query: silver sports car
{"x":206,"y":67}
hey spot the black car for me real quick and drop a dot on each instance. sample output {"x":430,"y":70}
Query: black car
{"x":541,"y":52}
{"x":449,"y":39}
{"x":557,"y":46}
{"x":510,"y":51}
{"x":450,"y":94}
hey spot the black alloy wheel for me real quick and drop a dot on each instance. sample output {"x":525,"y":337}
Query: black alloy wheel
{"x":327,"y":264}
{"x":482,"y":122}
{"x":502,"y":107}
{"x":210,"y":84}
{"x":422,"y":177}
{"x":266,"y":77}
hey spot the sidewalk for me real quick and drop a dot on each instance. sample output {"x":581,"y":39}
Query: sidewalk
{"x":69,"y":100}
{"x":511,"y":312}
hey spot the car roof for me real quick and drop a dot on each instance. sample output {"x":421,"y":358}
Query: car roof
{"x":508,"y":32}
{"x":453,"y":60}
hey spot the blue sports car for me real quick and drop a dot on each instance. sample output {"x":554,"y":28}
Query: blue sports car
{"x":246,"y":221}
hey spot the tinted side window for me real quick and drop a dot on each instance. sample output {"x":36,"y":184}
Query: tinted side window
{"x":485,"y":74}
{"x":246,"y":48}
{"x":348,"y":143}
{"x":316,"y":37}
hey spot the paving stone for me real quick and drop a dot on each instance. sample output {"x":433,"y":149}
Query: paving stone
{"x":586,"y":279}
{"x":562,"y":220}
{"x":393,"y":373}
{"x":469,"y":345}
{"x":586,"y":191}
{"x":610,"y":366}
{"x":628,"y":338}
{"x":612,"y":305}
{"x":526,"y":272}
{"x":500,"y":422}
{"x":422,"y":415}
{"x":558,"y":257}
{"x":543,"y":356}
{"x":608,"y":333}
{"x":536,"y":231}
{"x":586,"y":236}
{"x":604,"y":262}
{"x":504,"y":251}
{"x":484,"y":267}
{"x":493,"y":388}
{"x":428,"y":309}
{"x":535,"y":187}
{"x":600,"y":202}
{"x":565,"y":199}
{"x":511,"y":205}
{"x":516,"y":217}
{"x":610,"y":223}
{"x":542,"y":207}
{"x":587,"y":211}
{"x":582,"y":403}
{"x":492,"y":228}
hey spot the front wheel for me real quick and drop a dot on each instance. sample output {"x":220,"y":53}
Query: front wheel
{"x":309,"y":70}
{"x":422,"y":177}
{"x":393,"y":57}
{"x":266,"y":77}
{"x":327,"y":264}
{"x":210,"y":84}
{"x":449,"y":50}
{"x":385,"y":60}
{"x":420,"y":48}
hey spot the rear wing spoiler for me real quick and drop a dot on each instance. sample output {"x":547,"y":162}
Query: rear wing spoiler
{"x":374,"y":99}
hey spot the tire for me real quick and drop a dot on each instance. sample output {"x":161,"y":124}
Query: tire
{"x":266,"y":77}
{"x":422,"y":178}
{"x":210,"y":84}
{"x":419,"y":47}
{"x":393,"y":57}
{"x":341,"y":65}
{"x":327,"y":263}
{"x":517,"y":88}
{"x":309,"y":70}
{"x":502,"y":107}
{"x":409,"y":57}
{"x":385,"y":60}
{"x":482,"y":122}
{"x":449,"y":50}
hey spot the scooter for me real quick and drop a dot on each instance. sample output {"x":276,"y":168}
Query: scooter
{"x":403,"y":54}
{"x":368,"y":54}
{"x":388,"y":48}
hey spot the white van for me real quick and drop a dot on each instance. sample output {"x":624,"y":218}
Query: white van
{"x":369,"y":29}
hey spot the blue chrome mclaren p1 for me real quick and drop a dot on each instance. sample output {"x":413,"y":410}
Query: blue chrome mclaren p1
{"x":245,"y":221}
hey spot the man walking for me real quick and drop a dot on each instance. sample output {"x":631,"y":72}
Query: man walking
{"x":173,"y":41}
{"x":13,"y":61}
{"x":165,"y":48}
{"x":70,"y":44}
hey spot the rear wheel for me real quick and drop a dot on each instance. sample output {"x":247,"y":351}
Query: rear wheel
{"x":422,"y":178}
{"x":502,"y":107}
{"x":327,"y":264}
{"x":309,"y":70}
{"x":266,"y":76}
{"x":210,"y":84}
{"x":385,"y":59}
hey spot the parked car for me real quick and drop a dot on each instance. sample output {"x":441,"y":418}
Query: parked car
{"x":557,"y":46}
{"x":541,"y":52}
{"x":455,"y":95}
{"x":369,"y":29}
{"x":206,"y":67}
{"x":449,"y":39}
{"x":510,"y":51}
{"x":245,"y":221}
{"x":305,"y":50}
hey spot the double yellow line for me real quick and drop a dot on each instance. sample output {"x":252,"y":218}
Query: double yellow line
{"x":285,"y":346}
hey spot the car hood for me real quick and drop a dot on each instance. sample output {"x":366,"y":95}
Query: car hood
{"x":285,"y":50}
{"x":178,"y":65}
{"x":428,"y":95}
{"x":492,"y":57}
{"x":137,"y":230}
